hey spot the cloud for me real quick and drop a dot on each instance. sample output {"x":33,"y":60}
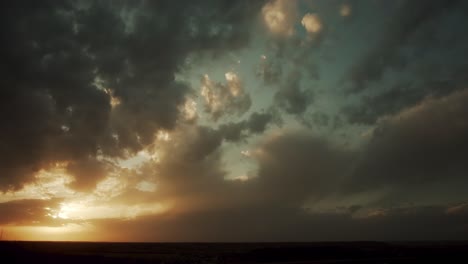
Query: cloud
{"x":280,"y":16}
{"x":386,"y":54}
{"x":255,"y":124}
{"x":66,"y":71}
{"x":321,"y":119}
{"x":269,"y":71}
{"x":28,"y":211}
{"x":291,"y":97}
{"x":371,"y":108}
{"x":404,"y":94}
{"x":286,"y":224}
{"x":423,"y":144}
{"x":312,"y":23}
{"x":297,"y":166}
{"x":346,"y":10}
{"x":292,"y":168}
{"x":315,"y":30}
{"x":93,"y":100}
{"x":190,"y":170}
{"x":87,"y":173}
{"x":188,"y":167}
{"x":224,"y":99}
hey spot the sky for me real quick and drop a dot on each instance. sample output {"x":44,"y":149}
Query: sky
{"x":223,"y":121}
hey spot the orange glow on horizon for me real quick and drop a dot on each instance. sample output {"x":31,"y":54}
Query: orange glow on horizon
{"x":64,"y":232}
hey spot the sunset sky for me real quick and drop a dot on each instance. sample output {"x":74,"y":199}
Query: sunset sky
{"x":222,"y":120}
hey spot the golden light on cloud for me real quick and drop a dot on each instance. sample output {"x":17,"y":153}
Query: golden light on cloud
{"x":246,"y":153}
{"x":146,"y":186}
{"x":64,"y":232}
{"x":149,"y":154}
{"x":233,"y":83}
{"x":345,"y":10}
{"x":85,"y":210}
{"x":241,"y":178}
{"x":64,"y":211}
{"x":61,"y":213}
{"x":224,"y":98}
{"x":114,"y":100}
{"x":190,"y":109}
{"x":110,"y":187}
{"x":312,"y":23}
{"x":279,"y":16}
{"x":47,"y":184}
{"x":163,"y":135}
{"x":208,"y":93}
{"x":196,"y":121}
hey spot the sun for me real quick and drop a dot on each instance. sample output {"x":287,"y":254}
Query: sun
{"x":66,"y":211}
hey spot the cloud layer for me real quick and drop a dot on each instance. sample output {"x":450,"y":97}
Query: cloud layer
{"x":235,"y":120}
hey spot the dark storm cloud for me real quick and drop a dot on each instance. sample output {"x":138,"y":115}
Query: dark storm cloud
{"x":269,"y":71}
{"x":255,"y":124}
{"x":423,"y":144}
{"x":192,"y":169}
{"x":370,"y":108}
{"x":411,"y":154}
{"x":410,"y":16}
{"x":291,"y":67}
{"x":302,"y":54}
{"x":287,"y":224}
{"x":296,"y":170}
{"x":85,"y":82}
{"x":293,"y":168}
{"x":46,"y":84}
{"x":190,"y":173}
{"x":296,"y":166}
{"x":87,"y":173}
{"x":435,"y":68}
{"x":408,"y":150}
{"x":405,"y":94}
{"x":291,"y":96}
{"x":321,"y":119}
{"x":61,"y":61}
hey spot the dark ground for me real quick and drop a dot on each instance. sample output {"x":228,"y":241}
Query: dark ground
{"x":175,"y":253}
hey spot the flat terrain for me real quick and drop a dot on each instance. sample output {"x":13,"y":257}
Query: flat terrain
{"x":174,"y":253}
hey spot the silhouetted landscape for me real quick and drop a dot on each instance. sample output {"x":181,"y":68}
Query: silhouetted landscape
{"x":175,"y":253}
